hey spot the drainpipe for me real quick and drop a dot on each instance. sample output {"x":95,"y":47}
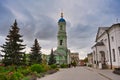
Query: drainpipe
{"x":96,"y":57}
{"x":109,"y":48}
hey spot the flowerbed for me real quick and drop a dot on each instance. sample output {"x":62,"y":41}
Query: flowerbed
{"x":25,"y":72}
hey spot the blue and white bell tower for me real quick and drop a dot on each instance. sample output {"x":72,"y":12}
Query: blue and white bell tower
{"x":62,"y":53}
{"x":61,"y":36}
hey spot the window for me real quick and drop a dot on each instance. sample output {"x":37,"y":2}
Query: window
{"x":119,"y":50}
{"x":61,"y":41}
{"x":113,"y":50}
{"x":112,"y":38}
{"x":102,"y":40}
{"x":105,"y":40}
{"x":61,"y":28}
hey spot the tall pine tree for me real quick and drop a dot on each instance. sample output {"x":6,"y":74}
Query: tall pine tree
{"x":13,"y":48}
{"x":35,"y":55}
{"x":52,"y":59}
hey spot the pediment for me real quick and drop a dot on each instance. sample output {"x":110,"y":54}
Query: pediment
{"x":101,"y":30}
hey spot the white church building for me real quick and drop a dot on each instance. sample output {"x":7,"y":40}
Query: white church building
{"x":106,"y":51}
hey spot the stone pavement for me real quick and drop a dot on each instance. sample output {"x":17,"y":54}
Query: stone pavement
{"x":105,"y":73}
{"x":82,"y":73}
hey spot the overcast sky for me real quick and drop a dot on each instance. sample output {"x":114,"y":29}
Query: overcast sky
{"x":38,"y":19}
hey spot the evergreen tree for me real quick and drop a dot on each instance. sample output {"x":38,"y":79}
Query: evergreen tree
{"x":35,"y":55}
{"x":52,"y":59}
{"x":13,"y":47}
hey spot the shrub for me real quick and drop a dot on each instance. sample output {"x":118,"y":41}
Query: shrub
{"x":63,"y":65}
{"x":15,"y":76}
{"x":53,"y":66}
{"x":11,"y":68}
{"x":3,"y":76}
{"x":39,"y":75}
{"x":89,"y":65}
{"x":26,"y":72}
{"x":20,"y":68}
{"x":26,"y":78}
{"x":37,"y":68}
{"x":2,"y":69}
{"x":45,"y":67}
{"x":35,"y":74}
{"x":57,"y":69}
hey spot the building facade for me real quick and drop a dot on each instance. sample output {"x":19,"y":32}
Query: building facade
{"x":75,"y":58}
{"x":90,"y":59}
{"x":106,"y":51}
{"x":62,"y":53}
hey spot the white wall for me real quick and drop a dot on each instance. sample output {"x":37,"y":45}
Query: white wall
{"x":115,"y":43}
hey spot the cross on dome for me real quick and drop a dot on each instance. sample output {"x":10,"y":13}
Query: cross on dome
{"x":61,"y":19}
{"x":61,"y":14}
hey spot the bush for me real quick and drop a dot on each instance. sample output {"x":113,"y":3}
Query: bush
{"x":2,"y":69}
{"x":3,"y":76}
{"x":15,"y":76}
{"x":45,"y":67}
{"x":63,"y":65}
{"x":11,"y":68}
{"x":89,"y":65}
{"x":37,"y":68}
{"x":39,"y":75}
{"x":26,"y":72}
{"x":53,"y":66}
{"x":26,"y":78}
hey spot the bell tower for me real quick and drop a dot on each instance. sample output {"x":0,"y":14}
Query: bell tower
{"x":62,"y":52}
{"x":61,"y":37}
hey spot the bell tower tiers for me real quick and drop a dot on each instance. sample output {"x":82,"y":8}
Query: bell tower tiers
{"x":61,"y":37}
{"x":62,"y":54}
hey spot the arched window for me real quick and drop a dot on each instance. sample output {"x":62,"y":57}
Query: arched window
{"x":114,"y":59}
{"x":119,"y":50}
{"x":61,"y":27}
{"x":61,"y":41}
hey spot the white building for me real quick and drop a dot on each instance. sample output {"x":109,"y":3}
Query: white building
{"x":74,"y":57}
{"x":106,"y":51}
{"x":90,"y":59}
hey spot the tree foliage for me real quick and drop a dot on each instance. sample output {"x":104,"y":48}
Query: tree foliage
{"x":52,"y":59}
{"x":35,"y":55}
{"x":85,"y":59}
{"x":13,"y":47}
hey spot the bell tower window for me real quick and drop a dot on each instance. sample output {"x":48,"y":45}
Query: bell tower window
{"x":61,"y":27}
{"x":61,"y":41}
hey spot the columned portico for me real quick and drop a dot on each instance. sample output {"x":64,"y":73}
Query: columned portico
{"x":100,"y":55}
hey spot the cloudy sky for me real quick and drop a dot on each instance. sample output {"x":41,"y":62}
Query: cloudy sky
{"x":38,"y":19}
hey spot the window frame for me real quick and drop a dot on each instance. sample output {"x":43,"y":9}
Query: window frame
{"x":114,"y":57}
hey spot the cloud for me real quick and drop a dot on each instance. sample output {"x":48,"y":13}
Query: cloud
{"x":81,"y":36}
{"x":38,"y":19}
{"x":46,"y":28}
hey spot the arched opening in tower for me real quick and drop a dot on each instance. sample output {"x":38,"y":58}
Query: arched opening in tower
{"x":61,"y":41}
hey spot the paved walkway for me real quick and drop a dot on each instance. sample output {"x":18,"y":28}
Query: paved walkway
{"x":106,"y":73}
{"x":82,"y":73}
